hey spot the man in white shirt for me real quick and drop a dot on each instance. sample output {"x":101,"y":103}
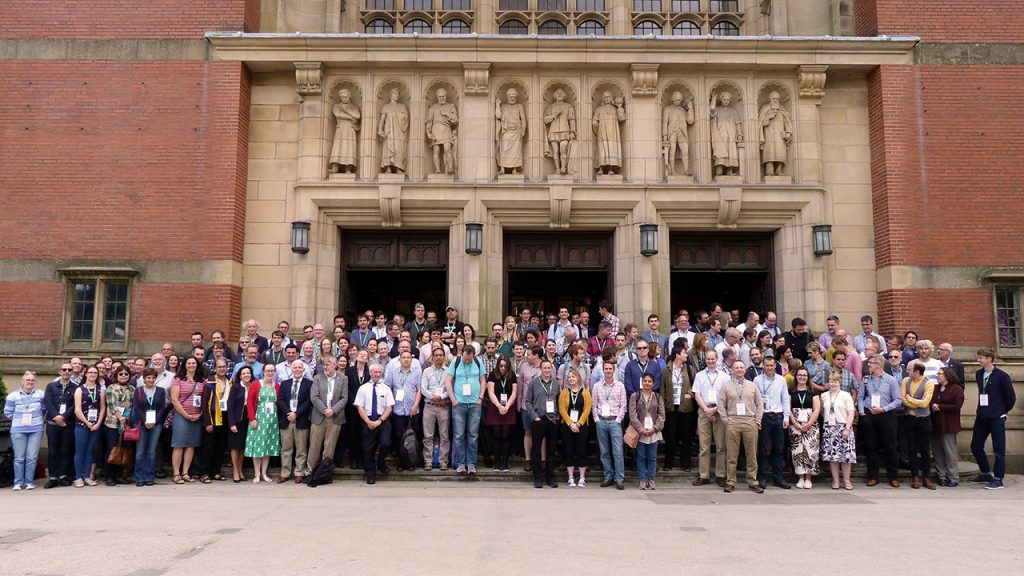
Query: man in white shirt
{"x":374,"y":403}
{"x":706,"y":386}
{"x":682,"y":330}
{"x":732,"y":340}
{"x":771,"y":324}
{"x":435,"y":410}
{"x":556,"y":330}
{"x":774,"y":424}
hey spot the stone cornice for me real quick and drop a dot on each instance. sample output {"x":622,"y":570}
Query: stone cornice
{"x":278,"y":51}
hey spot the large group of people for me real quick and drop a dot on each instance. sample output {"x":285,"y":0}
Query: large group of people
{"x":547,"y":388}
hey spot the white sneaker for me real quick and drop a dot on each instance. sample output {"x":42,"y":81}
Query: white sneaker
{"x":582,"y":483}
{"x":807,"y":484}
{"x":800,"y":483}
{"x":571,"y":483}
{"x":17,"y":487}
{"x":30,"y":486}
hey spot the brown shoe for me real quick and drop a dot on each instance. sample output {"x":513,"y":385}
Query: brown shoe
{"x":894,"y":483}
{"x":915,"y":482}
{"x":728,"y":488}
{"x":527,"y":467}
{"x":929,"y":484}
{"x":755,"y":489}
{"x":721,"y":482}
{"x":701,"y":482}
{"x":872,"y":482}
{"x":282,"y":479}
{"x":299,"y":479}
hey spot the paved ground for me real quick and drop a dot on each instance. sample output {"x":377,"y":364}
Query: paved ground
{"x":402,"y":528}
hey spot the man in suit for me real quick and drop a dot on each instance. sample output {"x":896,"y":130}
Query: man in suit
{"x":329,"y":396}
{"x":293,"y":417}
{"x":946,"y":356}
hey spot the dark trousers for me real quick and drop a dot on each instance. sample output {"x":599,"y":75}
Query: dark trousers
{"x":919,"y":444}
{"x":902,"y":441}
{"x":770,"y":447}
{"x":378,"y":439}
{"x":983,"y":428}
{"x":679,"y":432}
{"x":544,"y":430}
{"x":212,"y":455}
{"x":61,"y":450}
{"x":574,"y":446}
{"x":352,"y":439}
{"x":879,"y":431}
{"x":500,"y":435}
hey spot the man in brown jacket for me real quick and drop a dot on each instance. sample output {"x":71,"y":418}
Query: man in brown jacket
{"x":741,"y":408}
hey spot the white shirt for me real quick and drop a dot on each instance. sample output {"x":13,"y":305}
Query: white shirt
{"x":774,"y":394}
{"x":686,"y":335}
{"x":708,"y":385}
{"x":364,"y":397}
{"x":284,"y":372}
{"x":773,"y":331}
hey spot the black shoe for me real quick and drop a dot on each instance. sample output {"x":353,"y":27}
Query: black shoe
{"x":371,"y":481}
{"x":65,"y":481}
{"x":619,"y":486}
{"x":150,"y":483}
{"x":607,"y":483}
{"x":781,"y":484}
{"x":538,"y":484}
{"x":952,"y":484}
{"x":384,"y":468}
{"x":666,"y":469}
{"x":51,"y":483}
{"x":121,"y":481}
{"x":110,"y":481}
{"x":981,"y":479}
{"x":140,"y":484}
{"x":942,"y":482}
{"x":762,"y":483}
{"x":720,"y":481}
{"x":553,"y":484}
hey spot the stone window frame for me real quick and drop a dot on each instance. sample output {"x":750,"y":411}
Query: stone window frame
{"x":668,"y":14}
{"x":1008,"y":282}
{"x":437,"y":13}
{"x":102,"y":277}
{"x":535,"y":13}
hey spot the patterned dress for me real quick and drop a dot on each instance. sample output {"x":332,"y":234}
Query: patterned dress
{"x":265,"y":440}
{"x":834,"y":447}
{"x":804,"y":446}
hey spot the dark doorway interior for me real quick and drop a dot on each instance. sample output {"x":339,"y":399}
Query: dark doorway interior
{"x":743,"y":290}
{"x":395,"y":291}
{"x":546,"y":292}
{"x":733,"y":269}
{"x":391,"y":271}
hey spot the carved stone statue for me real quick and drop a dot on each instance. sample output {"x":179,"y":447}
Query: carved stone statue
{"x":393,"y":127}
{"x":607,"y":118}
{"x":442,"y":118}
{"x":345,"y":151}
{"x":726,"y":135}
{"x":776,"y":134}
{"x":674,"y":122}
{"x":560,"y":118}
{"x":511,"y":130}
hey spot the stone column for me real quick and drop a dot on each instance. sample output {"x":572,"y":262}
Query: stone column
{"x":476,"y":124}
{"x":311,"y":161}
{"x":368,"y":164}
{"x":643,"y":126}
{"x":619,"y":22}
{"x":807,"y":155}
{"x":701,"y":167}
{"x":483,"y":18}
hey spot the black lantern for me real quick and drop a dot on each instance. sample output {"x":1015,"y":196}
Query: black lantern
{"x":474,"y":238}
{"x":649,"y":239}
{"x":822,"y":239}
{"x":300,"y":237}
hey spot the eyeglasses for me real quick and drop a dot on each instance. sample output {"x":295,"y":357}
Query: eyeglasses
{"x":65,"y":369}
{"x":895,"y":356}
{"x":641,"y":347}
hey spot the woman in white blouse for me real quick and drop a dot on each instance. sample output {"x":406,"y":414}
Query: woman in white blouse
{"x":838,"y":445}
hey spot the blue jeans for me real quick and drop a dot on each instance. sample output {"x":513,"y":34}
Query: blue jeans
{"x":996,"y":427}
{"x":646,"y":460}
{"x":771,"y":439}
{"x":85,"y":445}
{"x":609,"y":441}
{"x":26,"y":450}
{"x":466,"y":426}
{"x":145,"y":454}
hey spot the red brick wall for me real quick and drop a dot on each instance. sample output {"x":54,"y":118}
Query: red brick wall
{"x":30,"y":310}
{"x":174,"y":311}
{"x":942,"y":20}
{"x":132,"y":160}
{"x":125,"y":18}
{"x":962,"y":317}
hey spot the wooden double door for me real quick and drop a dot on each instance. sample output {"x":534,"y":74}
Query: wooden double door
{"x":391,"y":271}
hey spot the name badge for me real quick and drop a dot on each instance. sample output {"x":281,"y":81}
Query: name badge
{"x":831,"y":419}
{"x":400,"y":395}
{"x":268,"y":407}
{"x":197,"y":401}
{"x":293,"y":404}
{"x":26,"y":418}
{"x":62,"y":409}
{"x":549,"y":406}
{"x":802,"y":415}
{"x":876,"y":400}
{"x":677,"y":391}
{"x":983,"y":400}
{"x":120,"y":410}
{"x":467,"y":389}
{"x":606,"y":411}
{"x":93,"y":415}
{"x":574,"y":415}
{"x":150,"y":416}
{"x":741,"y":409}
{"x":712,"y":398}
{"x":223,"y":404}
{"x":503,"y":399}
{"x":648,"y":422}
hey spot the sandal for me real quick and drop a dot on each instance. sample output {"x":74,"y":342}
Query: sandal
{"x":205,"y":479}
{"x":219,"y":478}
{"x":849,"y":486}
{"x":177,"y":479}
{"x":188,"y":478}
{"x":835,"y":485}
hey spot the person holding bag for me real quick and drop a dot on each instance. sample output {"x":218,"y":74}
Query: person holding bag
{"x":119,"y":404}
{"x":647,"y":418}
{"x":680,"y":408}
{"x":147,"y":410}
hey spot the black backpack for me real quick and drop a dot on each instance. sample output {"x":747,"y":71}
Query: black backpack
{"x":322,"y":474}
{"x":409,"y":452}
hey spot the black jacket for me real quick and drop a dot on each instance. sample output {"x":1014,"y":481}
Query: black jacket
{"x":284,"y":397}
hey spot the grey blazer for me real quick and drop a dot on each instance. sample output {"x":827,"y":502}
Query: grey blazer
{"x":318,"y":395}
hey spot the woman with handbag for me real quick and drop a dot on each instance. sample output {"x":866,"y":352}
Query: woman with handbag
{"x":215,"y":422}
{"x":147,"y":410}
{"x":647,"y":418}
{"x":119,"y":404}
{"x":90,"y":409}
{"x":186,"y":428}
{"x":263,"y":439}
{"x":238,"y":417}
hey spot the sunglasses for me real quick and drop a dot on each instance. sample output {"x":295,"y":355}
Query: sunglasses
{"x":65,"y":369}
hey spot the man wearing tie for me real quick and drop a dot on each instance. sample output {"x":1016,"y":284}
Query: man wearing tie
{"x":293,"y":410}
{"x":374,"y":402}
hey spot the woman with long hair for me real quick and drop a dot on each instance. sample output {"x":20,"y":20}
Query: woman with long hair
{"x":500,"y":413}
{"x":805,"y":442}
{"x":119,"y":404}
{"x":357,"y":373}
{"x":574,"y":404}
{"x":697,"y":352}
{"x":680,"y":407}
{"x":186,"y":428}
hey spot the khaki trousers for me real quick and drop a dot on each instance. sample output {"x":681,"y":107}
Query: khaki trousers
{"x":706,"y":429}
{"x":323,"y":438}
{"x":294,"y":441}
{"x":442,"y":417}
{"x":747,"y":434}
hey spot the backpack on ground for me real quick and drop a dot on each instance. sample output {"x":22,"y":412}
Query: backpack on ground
{"x":409,"y":451}
{"x":322,"y":474}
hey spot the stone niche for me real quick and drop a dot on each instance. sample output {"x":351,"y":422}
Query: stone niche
{"x":676,"y":120}
{"x":727,"y":135}
{"x":501,"y":99}
{"x":769,"y":147}
{"x":572,"y":153}
{"x":429,"y":99}
{"x":332,"y":135}
{"x":396,"y":145}
{"x":603,"y":135}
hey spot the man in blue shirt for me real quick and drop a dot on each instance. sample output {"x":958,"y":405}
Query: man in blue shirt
{"x":771,"y":438}
{"x":636,"y":369}
{"x":995,"y":400}
{"x":879,"y":405}
{"x":465,"y":384}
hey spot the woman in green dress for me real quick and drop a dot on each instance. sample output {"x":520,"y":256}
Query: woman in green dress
{"x":264,"y":438}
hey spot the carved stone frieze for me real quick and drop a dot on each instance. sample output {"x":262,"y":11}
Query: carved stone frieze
{"x":309,"y":79}
{"x":477,"y":78}
{"x":811,"y":79}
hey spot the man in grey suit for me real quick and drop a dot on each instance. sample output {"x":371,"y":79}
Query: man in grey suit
{"x":329,"y":395}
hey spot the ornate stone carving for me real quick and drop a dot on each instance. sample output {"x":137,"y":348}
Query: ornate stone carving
{"x":393,"y":129}
{"x":730,"y":201}
{"x":645,"y":79}
{"x":560,"y":118}
{"x":477,"y":76}
{"x":511,"y":118}
{"x":675,"y":120}
{"x":775,"y":131}
{"x":609,"y":113}
{"x":442,"y":120}
{"x":811,"y":79}
{"x":726,"y":132}
{"x":308,"y":79}
{"x":345,"y":150}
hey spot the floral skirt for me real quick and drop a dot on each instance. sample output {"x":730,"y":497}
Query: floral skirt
{"x":804,"y":448}
{"x":835,"y":448}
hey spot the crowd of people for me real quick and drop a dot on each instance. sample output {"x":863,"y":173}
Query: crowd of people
{"x":548,"y":388}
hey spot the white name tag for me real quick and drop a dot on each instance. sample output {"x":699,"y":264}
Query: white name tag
{"x":677,"y":391}
{"x":503,"y":399}
{"x":741,"y":409}
{"x":574,"y":415}
{"x":26,"y":418}
{"x":120,"y":410}
{"x":467,"y":389}
{"x":92,"y":415}
{"x":606,"y":411}
{"x":803,"y":415}
{"x":268,"y":407}
{"x":400,"y":395}
{"x":197,"y":401}
{"x":876,"y":400}
{"x":712,"y":398}
{"x":150,"y":416}
{"x":648,"y":422}
{"x":831,"y":419}
{"x":983,"y":400}
{"x":224,"y":405}
{"x":549,"y":406}
{"x":62,"y":409}
{"x":293,"y":405}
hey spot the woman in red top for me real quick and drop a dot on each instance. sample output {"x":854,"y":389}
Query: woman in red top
{"x":947,"y":401}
